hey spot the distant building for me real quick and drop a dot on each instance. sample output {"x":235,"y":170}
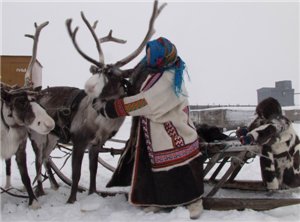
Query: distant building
{"x":283,"y":92}
{"x":13,"y":69}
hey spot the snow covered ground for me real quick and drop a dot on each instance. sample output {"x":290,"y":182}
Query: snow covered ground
{"x":54,"y":207}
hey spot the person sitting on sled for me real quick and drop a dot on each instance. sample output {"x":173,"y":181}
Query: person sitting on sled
{"x":280,"y":154}
{"x":167,"y":166}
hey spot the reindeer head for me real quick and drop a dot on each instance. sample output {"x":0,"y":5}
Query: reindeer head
{"x":108,"y":79}
{"x":18,"y":106}
{"x":20,"y":109}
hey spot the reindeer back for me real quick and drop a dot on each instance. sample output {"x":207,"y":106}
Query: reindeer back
{"x":62,"y":103}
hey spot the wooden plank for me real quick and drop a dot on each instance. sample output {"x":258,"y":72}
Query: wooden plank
{"x":234,"y":164}
{"x":218,"y":185}
{"x":251,"y":185}
{"x":259,"y":204}
{"x":219,"y":168}
{"x":106,"y":165}
{"x":211,"y":163}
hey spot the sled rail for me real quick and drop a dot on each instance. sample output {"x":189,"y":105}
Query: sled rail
{"x":236,"y":155}
{"x":252,"y":185}
{"x":218,"y":154}
{"x":259,"y":204}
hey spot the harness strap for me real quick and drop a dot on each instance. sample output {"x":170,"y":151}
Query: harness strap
{"x":64,"y":117}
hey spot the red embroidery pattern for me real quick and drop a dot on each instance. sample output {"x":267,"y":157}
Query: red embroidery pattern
{"x":135,"y":105}
{"x":168,"y":157}
{"x":120,"y":108}
{"x":177,"y":140}
{"x":145,"y":126}
{"x":153,"y":79}
{"x":123,"y":109}
{"x":186,"y":110}
{"x":175,"y":156}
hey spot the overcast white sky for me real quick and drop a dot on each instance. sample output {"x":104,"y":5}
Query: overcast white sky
{"x":231,"y":48}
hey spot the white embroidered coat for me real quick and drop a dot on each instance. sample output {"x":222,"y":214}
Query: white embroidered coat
{"x":164,"y":166}
{"x":169,"y":132}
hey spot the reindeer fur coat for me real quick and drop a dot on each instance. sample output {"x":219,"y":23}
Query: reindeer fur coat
{"x":162,"y":161}
{"x":280,"y":159}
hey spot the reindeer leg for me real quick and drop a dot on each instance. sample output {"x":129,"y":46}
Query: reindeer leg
{"x":21,"y":161}
{"x":8,"y":173}
{"x":77,"y":156}
{"x":39,"y":191}
{"x":50,"y":146}
{"x":93,"y":158}
{"x":54,"y":184}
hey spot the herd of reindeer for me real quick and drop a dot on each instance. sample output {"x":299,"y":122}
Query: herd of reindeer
{"x":65,"y":114}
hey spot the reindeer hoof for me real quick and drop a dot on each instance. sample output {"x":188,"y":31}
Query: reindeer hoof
{"x":35,"y":205}
{"x":8,"y":182}
{"x":39,"y":192}
{"x":54,"y":184}
{"x":7,"y":185}
{"x":54,"y":187}
{"x":92,"y":191}
{"x":71,"y":200}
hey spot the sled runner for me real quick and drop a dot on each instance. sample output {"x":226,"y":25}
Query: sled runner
{"x":225,"y":160}
{"x":223,"y":191}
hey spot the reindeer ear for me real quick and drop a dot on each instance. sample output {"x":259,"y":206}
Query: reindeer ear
{"x":37,"y":89}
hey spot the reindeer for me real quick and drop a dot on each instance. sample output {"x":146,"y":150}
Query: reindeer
{"x":76,"y":121}
{"x":20,"y":113}
{"x":85,"y":128}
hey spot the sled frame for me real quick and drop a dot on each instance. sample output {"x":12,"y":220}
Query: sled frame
{"x":218,"y":154}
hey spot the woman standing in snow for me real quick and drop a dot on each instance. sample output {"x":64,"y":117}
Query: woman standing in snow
{"x":162,"y":161}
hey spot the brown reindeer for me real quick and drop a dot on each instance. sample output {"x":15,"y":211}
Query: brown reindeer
{"x":76,"y":121}
{"x":19,"y":113}
{"x":74,"y":113}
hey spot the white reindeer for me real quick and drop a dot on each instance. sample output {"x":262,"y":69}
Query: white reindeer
{"x":20,"y":113}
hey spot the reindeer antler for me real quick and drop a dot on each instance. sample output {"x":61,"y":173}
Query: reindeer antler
{"x":155,"y":13}
{"x":110,"y":38}
{"x":16,"y":90}
{"x":114,"y":68}
{"x":92,"y":28}
{"x":28,"y":75}
{"x":73,"y":37}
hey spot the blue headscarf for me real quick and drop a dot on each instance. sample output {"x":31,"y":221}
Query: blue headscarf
{"x":163,"y":56}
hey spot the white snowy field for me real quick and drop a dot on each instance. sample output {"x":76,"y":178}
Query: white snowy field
{"x":54,"y":207}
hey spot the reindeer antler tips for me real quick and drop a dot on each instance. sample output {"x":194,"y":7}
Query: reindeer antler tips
{"x":149,"y":34}
{"x":75,"y":31}
{"x":161,"y":8}
{"x":29,"y":36}
{"x":82,"y":15}
{"x":28,"y":75}
{"x":95,"y":24}
{"x":163,"y":5}
{"x":68,"y":22}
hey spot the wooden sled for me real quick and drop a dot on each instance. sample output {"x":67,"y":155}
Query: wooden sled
{"x":243,"y":194}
